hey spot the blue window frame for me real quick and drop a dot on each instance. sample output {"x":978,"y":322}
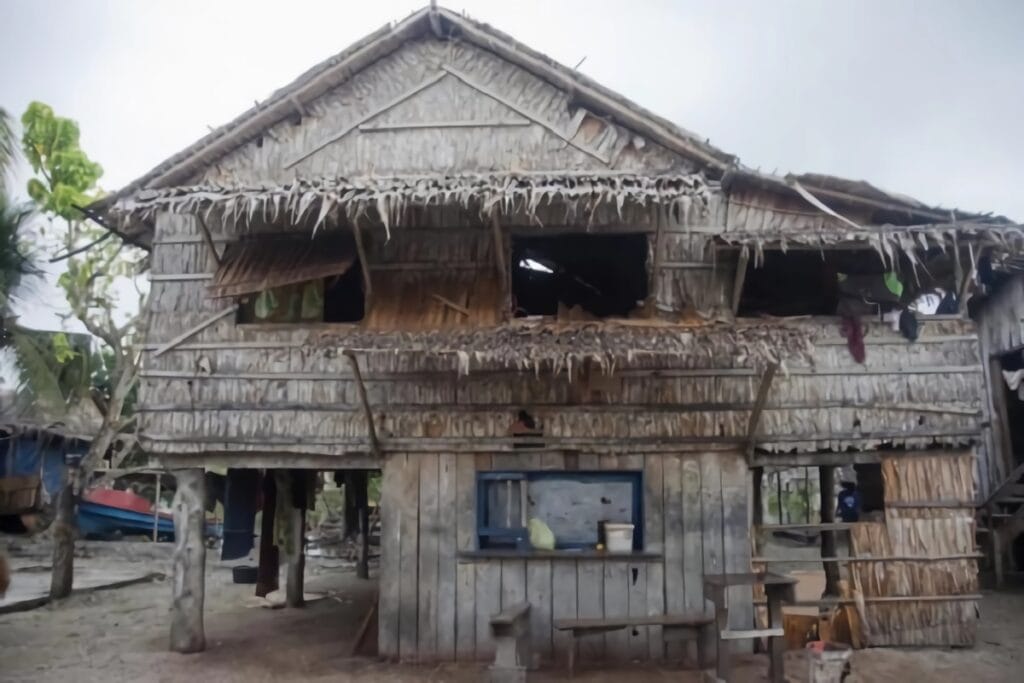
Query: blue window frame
{"x":570,"y":503}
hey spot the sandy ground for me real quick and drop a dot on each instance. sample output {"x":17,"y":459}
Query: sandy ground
{"x":121,"y":635}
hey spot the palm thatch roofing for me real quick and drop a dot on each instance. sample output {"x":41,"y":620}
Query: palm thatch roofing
{"x":388,"y":198}
{"x":127,"y":210}
{"x":556,"y":347}
{"x":77,"y":420}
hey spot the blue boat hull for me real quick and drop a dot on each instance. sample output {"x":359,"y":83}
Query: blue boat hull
{"x":99,"y":520}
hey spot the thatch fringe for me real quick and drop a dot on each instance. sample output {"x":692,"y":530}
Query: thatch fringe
{"x":889,"y":241}
{"x":565,"y":347}
{"x":387,"y":199}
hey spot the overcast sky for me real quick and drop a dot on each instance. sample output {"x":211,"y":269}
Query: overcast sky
{"x":924,"y":98}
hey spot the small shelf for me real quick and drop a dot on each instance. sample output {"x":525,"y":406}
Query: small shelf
{"x":509,"y":554}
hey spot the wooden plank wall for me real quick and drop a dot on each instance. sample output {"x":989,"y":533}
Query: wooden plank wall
{"x":434,"y":606}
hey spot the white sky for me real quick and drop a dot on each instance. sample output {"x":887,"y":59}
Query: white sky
{"x":924,"y":98}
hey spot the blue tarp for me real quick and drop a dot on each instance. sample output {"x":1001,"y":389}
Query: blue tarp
{"x":39,"y":456}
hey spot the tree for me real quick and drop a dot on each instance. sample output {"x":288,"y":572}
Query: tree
{"x":65,"y":181}
{"x":16,"y":263}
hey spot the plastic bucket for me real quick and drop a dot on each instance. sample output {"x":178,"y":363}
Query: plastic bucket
{"x":618,"y":537}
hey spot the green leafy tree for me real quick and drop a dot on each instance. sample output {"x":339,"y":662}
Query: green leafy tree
{"x":65,"y":181}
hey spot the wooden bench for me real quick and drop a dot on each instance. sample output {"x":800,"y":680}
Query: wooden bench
{"x":674,"y":627}
{"x":510,"y":629}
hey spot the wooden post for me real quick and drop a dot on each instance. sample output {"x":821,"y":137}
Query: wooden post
{"x":778,"y":494}
{"x":997,"y":547}
{"x":156,"y":510}
{"x":371,"y":429}
{"x":357,"y":232}
{"x":501,"y":264}
{"x":361,"y":491}
{"x":759,"y":403}
{"x":740,"y":277}
{"x":757,"y":501}
{"x":189,"y":561}
{"x":270,"y":562}
{"x":827,"y":480}
{"x":293,"y":484}
{"x":63,"y":571}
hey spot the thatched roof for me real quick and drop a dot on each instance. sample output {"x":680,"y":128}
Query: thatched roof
{"x":542,"y":345}
{"x":165,"y":185}
{"x":444,"y":24}
{"x":388,"y":198}
{"x":78,"y":420}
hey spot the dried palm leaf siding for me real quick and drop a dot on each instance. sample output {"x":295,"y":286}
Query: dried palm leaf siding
{"x":252,"y":266}
{"x":919,"y":522}
{"x":419,"y":301}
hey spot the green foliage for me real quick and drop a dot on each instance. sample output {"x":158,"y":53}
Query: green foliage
{"x":51,"y":145}
{"x":94,"y":265}
{"x":55,"y":369}
{"x":15,"y":256}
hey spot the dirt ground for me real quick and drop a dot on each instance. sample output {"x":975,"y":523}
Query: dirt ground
{"x":121,"y":635}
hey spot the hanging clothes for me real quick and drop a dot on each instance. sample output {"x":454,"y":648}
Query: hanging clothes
{"x":241,"y":501}
{"x":909,"y":326}
{"x":1015,"y":381}
{"x":853,"y":330}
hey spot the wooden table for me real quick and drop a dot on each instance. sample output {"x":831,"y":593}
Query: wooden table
{"x":778,"y":589}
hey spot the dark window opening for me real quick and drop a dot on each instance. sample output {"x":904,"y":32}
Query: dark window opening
{"x":571,"y":504}
{"x":847,"y":283}
{"x":870,"y":488}
{"x":1013,"y":399}
{"x":604,"y":275}
{"x":344,"y":299}
{"x":335,"y":299}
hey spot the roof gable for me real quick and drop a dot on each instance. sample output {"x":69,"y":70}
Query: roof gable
{"x":442,"y":26}
{"x":434,"y":107}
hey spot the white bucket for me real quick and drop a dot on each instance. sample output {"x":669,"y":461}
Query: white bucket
{"x":618,"y":537}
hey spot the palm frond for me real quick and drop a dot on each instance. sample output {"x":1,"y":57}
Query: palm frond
{"x":38,"y":372}
{"x":8,"y":146}
{"x":16,"y":260}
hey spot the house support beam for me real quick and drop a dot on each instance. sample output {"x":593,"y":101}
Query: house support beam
{"x":208,"y":239}
{"x":189,"y":562}
{"x":501,"y":264}
{"x":737,"y":284}
{"x":759,"y":403}
{"x":365,"y":401}
{"x":827,"y":479}
{"x":364,"y":265}
{"x":293,"y":485}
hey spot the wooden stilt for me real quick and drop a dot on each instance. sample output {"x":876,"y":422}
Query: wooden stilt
{"x":997,"y":548}
{"x":292,"y":484}
{"x":827,"y":479}
{"x":362,"y":494}
{"x":189,"y":561}
{"x":270,"y":559}
{"x":757,"y":500}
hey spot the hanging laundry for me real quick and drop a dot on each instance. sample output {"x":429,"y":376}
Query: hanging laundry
{"x":876,"y":288}
{"x":909,"y":326}
{"x":853,"y":330}
{"x":1015,"y":381}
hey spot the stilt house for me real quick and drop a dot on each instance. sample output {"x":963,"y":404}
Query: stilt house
{"x":521,"y":297}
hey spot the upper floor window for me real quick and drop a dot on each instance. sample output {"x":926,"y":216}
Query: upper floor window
{"x":579,"y":275}
{"x":850,"y":282}
{"x":292,"y":279}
